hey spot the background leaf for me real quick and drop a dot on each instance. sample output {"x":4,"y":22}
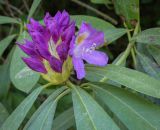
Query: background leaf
{"x":155,"y":52}
{"x":64,"y":121}
{"x":130,"y":78}
{"x":33,"y":8}
{"x":149,"y":36}
{"x":86,"y":117}
{"x":5,"y":43}
{"x":128,"y":10}
{"x":149,"y":65}
{"x":5,"y":19}
{"x":131,"y":107}
{"x":3,"y":114}
{"x":15,"y":119}
{"x":42,"y":119}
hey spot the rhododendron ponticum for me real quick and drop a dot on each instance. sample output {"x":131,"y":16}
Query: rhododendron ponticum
{"x":55,"y":47}
{"x":83,"y":48}
{"x":49,"y":47}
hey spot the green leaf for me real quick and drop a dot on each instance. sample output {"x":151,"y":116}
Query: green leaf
{"x":128,"y":10}
{"x":111,"y":33}
{"x":133,"y":79}
{"x":88,"y":114}
{"x":155,"y":52}
{"x":96,"y":22}
{"x":101,"y":1}
{"x":64,"y":121}
{"x":133,"y":111}
{"x":22,"y":76}
{"x":149,"y":36}
{"x":5,"y":43}
{"x":15,"y":119}
{"x":33,"y":8}
{"x":5,"y":75}
{"x":42,"y":119}
{"x":149,"y":65}
{"x":5,"y":19}
{"x":3,"y":114}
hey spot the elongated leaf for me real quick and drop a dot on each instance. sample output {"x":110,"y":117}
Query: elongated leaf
{"x":96,"y":22}
{"x":5,"y":42}
{"x":88,"y":114}
{"x":33,"y":8}
{"x":149,"y":66}
{"x":129,"y":107}
{"x":130,"y":78}
{"x":155,"y":52}
{"x":111,"y":33}
{"x":149,"y":36}
{"x":3,"y":114}
{"x":22,"y":76}
{"x":5,"y":75}
{"x":15,"y":119}
{"x":101,"y":1}
{"x":64,"y":121}
{"x":128,"y":10}
{"x":42,"y":119}
{"x":5,"y":19}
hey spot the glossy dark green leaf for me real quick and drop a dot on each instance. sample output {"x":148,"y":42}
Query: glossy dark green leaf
{"x":33,"y":8}
{"x":22,"y":76}
{"x":149,"y":65}
{"x":127,"y":10}
{"x":5,"y":19}
{"x":15,"y":119}
{"x":42,"y":119}
{"x":134,"y":111}
{"x":5,"y":43}
{"x":64,"y":121}
{"x":130,"y":78}
{"x":149,"y":36}
{"x":3,"y":114}
{"x":88,"y":114}
{"x":155,"y":52}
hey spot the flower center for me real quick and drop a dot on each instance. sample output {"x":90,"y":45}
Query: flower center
{"x":90,"y":49}
{"x":81,"y":37}
{"x":52,"y":47}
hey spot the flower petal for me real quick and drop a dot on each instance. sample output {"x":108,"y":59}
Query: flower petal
{"x":62,"y":50}
{"x":56,"y":64}
{"x":91,"y":35}
{"x":96,"y":58}
{"x":35,"y":64}
{"x":79,"y":67}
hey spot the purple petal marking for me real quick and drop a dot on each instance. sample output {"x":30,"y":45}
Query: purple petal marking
{"x":96,"y":58}
{"x":79,"y":67}
{"x":72,"y":46}
{"x":64,"y":19}
{"x":35,"y":64}
{"x":69,"y":32}
{"x":62,"y":50}
{"x":56,"y":64}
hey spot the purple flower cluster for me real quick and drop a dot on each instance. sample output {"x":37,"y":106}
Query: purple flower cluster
{"x":55,"y":41}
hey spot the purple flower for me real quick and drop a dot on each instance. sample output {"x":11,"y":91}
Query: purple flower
{"x":50,"y":42}
{"x":83,"y":48}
